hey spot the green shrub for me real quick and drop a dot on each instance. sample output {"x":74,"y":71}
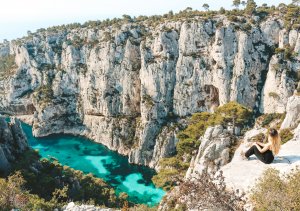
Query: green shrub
{"x":266,"y":119}
{"x":77,"y":42}
{"x":233,"y":18}
{"x":285,"y":135}
{"x":288,"y":53}
{"x":291,"y":16}
{"x":259,"y":138}
{"x":186,"y":146}
{"x":7,"y":64}
{"x":14,"y":196}
{"x":247,"y":27}
{"x":142,"y":207}
{"x":279,"y":50}
{"x":274,"y":192}
{"x":250,"y":7}
{"x":106,"y":37}
{"x":49,"y":180}
{"x":167,"y":178}
{"x":274,"y":95}
{"x":173,"y":169}
{"x":44,"y":95}
{"x":147,"y":99}
{"x":287,"y":50}
{"x":235,"y":114}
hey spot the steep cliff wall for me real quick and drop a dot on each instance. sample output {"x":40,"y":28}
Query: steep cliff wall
{"x":122,"y":86}
{"x":13,"y":142}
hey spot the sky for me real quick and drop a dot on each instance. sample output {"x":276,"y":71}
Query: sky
{"x":19,"y":16}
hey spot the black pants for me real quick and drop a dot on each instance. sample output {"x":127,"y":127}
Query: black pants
{"x":266,"y":157}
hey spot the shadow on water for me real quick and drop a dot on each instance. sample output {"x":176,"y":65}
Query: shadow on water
{"x":90,"y":157}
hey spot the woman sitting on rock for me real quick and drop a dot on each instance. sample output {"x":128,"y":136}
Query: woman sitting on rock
{"x":265,"y":152}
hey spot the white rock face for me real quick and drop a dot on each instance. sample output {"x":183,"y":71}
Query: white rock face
{"x":121,"y":86}
{"x":283,"y":38}
{"x":73,"y":207}
{"x":214,"y":152}
{"x":165,"y":145}
{"x":292,"y":118}
{"x":278,"y":87}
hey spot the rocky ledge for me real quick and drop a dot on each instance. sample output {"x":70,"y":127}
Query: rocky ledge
{"x":73,"y":207}
{"x":242,"y":174}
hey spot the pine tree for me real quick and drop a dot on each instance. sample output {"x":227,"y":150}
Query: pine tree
{"x":243,"y":3}
{"x":251,"y":7}
{"x":205,"y":6}
{"x":236,"y":3}
{"x":222,"y":10}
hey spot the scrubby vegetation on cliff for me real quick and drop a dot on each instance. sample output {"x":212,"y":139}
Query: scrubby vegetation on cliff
{"x":242,"y":15}
{"x":44,"y":95}
{"x":276,"y":192}
{"x":51,"y":175}
{"x":43,"y":184}
{"x":173,"y":169}
{"x":14,"y":196}
{"x":7,"y":65}
{"x":207,"y":193}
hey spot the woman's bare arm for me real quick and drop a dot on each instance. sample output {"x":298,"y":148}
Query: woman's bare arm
{"x":260,"y":144}
{"x":264,"y":149}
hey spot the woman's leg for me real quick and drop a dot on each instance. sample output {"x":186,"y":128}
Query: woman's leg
{"x":250,"y":151}
{"x":254,"y":151}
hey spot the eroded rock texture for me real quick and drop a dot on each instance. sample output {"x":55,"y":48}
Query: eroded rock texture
{"x":13,"y":142}
{"x":122,"y":86}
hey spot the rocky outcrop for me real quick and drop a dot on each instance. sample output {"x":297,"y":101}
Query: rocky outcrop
{"x":239,"y":174}
{"x":165,"y":145}
{"x":73,"y":207}
{"x":278,"y":86}
{"x":13,"y":142}
{"x":214,"y":152}
{"x":121,"y":85}
{"x":292,"y":118}
{"x":242,"y":174}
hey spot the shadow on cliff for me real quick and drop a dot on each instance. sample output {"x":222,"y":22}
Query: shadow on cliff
{"x":287,"y":159}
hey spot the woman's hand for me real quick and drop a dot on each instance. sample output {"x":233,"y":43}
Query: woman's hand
{"x":263,"y":148}
{"x":260,"y":144}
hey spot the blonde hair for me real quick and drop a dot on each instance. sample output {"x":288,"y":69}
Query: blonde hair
{"x":275,"y":140}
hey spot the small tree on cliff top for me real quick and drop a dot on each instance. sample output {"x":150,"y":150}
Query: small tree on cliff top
{"x":250,"y":7}
{"x":243,"y":3}
{"x":235,"y":114}
{"x":205,"y":6}
{"x":236,"y":3}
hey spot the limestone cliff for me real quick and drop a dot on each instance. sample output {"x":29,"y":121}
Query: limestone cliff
{"x":13,"y":142}
{"x":123,"y":85}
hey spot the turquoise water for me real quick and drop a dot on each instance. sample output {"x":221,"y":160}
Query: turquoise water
{"x":90,"y":157}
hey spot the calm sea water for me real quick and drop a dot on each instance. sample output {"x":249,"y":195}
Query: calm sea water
{"x":90,"y":157}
